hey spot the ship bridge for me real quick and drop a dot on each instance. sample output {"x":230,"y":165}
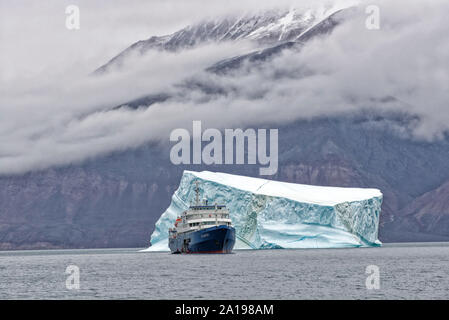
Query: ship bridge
{"x":201,"y":216}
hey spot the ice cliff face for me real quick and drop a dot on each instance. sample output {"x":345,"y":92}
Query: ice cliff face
{"x":272,"y":214}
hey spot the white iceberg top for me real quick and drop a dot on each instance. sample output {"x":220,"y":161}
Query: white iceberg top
{"x":326,"y":196}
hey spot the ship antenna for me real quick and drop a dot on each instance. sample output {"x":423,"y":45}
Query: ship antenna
{"x":197,"y":191}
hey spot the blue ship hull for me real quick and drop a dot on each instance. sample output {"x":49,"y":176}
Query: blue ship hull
{"x":217,"y":239}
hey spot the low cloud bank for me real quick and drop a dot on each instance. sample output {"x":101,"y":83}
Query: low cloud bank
{"x":67,"y":118}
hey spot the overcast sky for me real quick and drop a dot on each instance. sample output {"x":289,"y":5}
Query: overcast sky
{"x":35,"y":39}
{"x":51,"y":113}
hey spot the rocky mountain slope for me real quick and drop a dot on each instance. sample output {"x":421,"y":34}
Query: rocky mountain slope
{"x":266,"y":29}
{"x":114,"y":200}
{"x":429,"y":212}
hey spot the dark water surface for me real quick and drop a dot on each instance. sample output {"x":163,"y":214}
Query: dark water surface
{"x":406,"y":271}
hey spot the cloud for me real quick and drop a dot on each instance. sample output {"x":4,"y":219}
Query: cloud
{"x":51,"y":123}
{"x":354,"y":69}
{"x":35,"y":41}
{"x":52,"y":114}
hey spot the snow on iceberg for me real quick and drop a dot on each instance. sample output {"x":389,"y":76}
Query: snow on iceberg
{"x":273,"y":214}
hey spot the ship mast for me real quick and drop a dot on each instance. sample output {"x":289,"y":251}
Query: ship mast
{"x":197,"y":191}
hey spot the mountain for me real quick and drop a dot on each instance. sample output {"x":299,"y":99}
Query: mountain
{"x":115,"y":200}
{"x":289,"y":37}
{"x":266,"y":29}
{"x":429,"y":212}
{"x":316,"y":29}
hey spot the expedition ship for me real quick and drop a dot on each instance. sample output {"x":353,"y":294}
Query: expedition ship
{"x":203,"y":228}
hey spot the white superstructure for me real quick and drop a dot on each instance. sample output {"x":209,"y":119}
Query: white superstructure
{"x":199,"y":217}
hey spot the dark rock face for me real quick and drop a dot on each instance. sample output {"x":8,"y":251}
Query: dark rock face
{"x":77,"y":207}
{"x":115,"y":201}
{"x":428,"y":213}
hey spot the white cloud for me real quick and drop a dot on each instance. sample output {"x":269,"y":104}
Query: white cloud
{"x":52,"y":114}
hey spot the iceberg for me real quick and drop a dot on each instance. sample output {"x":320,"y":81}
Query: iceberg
{"x":271,"y":214}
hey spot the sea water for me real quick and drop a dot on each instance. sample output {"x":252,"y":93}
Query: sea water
{"x":405,"y":271}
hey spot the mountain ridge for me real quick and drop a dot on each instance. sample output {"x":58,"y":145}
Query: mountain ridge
{"x":267,"y":29}
{"x":114,"y":201}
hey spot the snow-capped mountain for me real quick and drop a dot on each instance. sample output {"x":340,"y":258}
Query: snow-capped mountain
{"x":115,"y":200}
{"x":266,"y":29}
{"x":290,"y":31}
